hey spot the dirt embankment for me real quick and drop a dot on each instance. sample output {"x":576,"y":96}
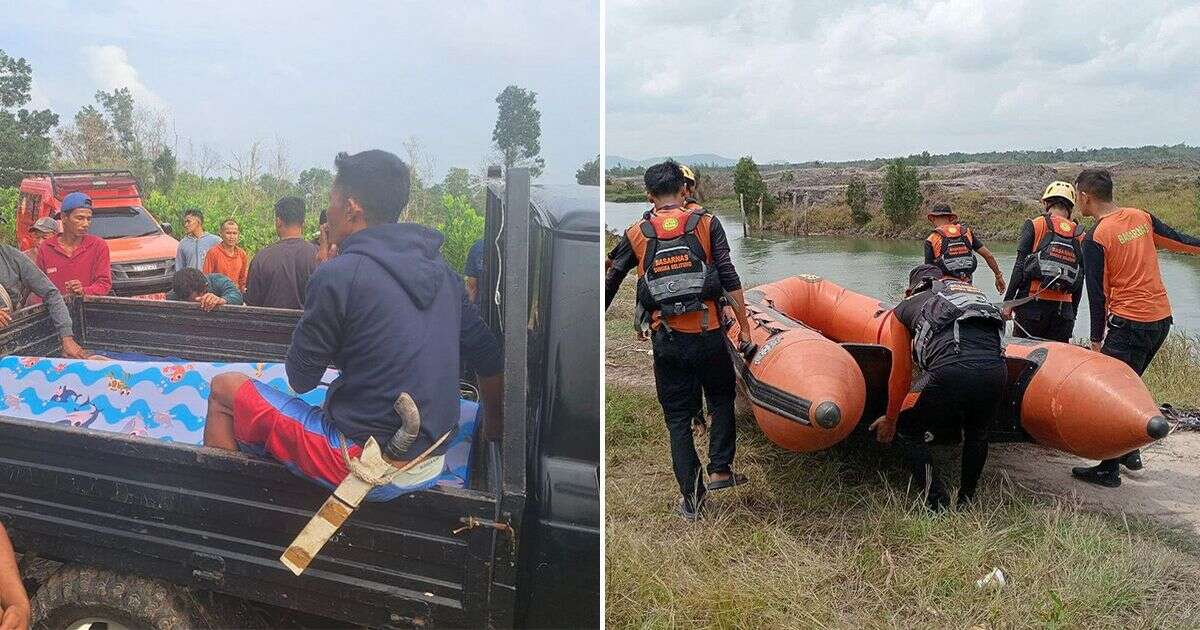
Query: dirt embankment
{"x":993,"y":198}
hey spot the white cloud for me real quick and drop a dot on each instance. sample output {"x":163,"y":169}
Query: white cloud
{"x":110,"y":68}
{"x":862,"y":79}
{"x":38,"y":99}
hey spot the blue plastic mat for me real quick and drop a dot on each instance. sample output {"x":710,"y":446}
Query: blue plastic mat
{"x":157,"y":399}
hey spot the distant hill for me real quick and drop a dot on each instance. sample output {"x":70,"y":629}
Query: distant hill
{"x":696,"y":159}
{"x":1149,"y":153}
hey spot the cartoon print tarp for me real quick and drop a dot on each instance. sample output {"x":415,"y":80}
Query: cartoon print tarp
{"x":163,"y":400}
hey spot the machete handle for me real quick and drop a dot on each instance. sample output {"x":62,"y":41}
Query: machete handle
{"x":410,"y":427}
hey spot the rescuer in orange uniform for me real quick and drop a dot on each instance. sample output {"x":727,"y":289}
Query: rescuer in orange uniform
{"x":681,"y":256}
{"x":1130,"y":313}
{"x":1048,"y":269}
{"x":951,"y":246}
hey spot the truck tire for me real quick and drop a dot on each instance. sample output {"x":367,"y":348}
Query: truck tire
{"x":75,"y":595}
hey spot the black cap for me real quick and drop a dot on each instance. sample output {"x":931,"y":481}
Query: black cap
{"x":941,"y":210}
{"x":921,"y":273}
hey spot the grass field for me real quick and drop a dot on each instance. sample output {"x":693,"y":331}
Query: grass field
{"x":836,"y":539}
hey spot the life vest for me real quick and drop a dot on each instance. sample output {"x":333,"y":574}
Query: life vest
{"x":953,"y":302}
{"x":676,"y":275}
{"x":1055,"y":264}
{"x":955,"y":253}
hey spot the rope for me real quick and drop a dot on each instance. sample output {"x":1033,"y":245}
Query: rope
{"x":356,"y":468}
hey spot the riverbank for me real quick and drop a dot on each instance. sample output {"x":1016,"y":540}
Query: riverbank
{"x":994,"y":199}
{"x":835,"y":538}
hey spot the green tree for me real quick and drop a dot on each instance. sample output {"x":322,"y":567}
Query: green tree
{"x":315,"y":183}
{"x":925,"y":159}
{"x":24,"y":134}
{"x":119,"y":107}
{"x":901,"y":193}
{"x":461,"y":225}
{"x":164,"y":169}
{"x":748,"y":181}
{"x":518,"y":130}
{"x":589,"y":173}
{"x":457,"y":183}
{"x":856,"y":198}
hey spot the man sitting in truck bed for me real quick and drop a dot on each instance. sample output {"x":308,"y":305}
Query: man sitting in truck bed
{"x":389,"y":313}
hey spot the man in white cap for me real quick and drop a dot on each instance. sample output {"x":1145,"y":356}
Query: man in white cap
{"x":41,"y":230}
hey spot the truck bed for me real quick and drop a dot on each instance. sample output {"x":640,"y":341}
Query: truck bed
{"x":215,"y":520}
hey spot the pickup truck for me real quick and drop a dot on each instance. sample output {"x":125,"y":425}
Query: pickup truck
{"x":195,"y":532}
{"x":142,"y":250}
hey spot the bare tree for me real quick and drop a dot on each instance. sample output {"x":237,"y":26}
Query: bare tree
{"x":245,"y":167}
{"x":420,"y":164}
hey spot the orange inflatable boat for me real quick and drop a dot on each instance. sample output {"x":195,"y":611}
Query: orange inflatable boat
{"x":1060,"y":395}
{"x":806,"y":390}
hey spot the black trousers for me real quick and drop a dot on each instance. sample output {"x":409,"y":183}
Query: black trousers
{"x":1045,"y":319}
{"x":956,"y":397}
{"x":687,"y":367}
{"x":1135,"y":343}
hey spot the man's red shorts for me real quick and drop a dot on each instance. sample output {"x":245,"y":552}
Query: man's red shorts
{"x":269,"y":422}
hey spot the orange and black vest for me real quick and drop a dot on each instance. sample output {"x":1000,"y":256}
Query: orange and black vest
{"x":1056,"y":260}
{"x":954,"y":250}
{"x":677,"y":282}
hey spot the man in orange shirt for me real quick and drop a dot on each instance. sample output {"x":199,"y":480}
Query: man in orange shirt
{"x":1130,"y":313}
{"x":681,"y":256}
{"x":227,"y":258}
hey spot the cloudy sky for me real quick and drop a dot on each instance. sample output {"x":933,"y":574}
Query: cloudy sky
{"x":323,"y":78}
{"x":803,"y":80}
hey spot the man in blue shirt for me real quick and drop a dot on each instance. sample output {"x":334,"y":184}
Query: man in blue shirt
{"x":390,"y":314}
{"x":194,"y":246}
{"x":207,"y":290}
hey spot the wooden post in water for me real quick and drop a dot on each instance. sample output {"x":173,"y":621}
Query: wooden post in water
{"x":760,"y":202}
{"x":745,"y":221}
{"x":793,"y":205}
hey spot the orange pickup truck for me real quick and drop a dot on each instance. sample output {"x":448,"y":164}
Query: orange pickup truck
{"x":141,"y":249}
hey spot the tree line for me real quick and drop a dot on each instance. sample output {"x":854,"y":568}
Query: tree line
{"x":114,"y":132}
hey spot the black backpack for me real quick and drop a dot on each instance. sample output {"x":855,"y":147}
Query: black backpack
{"x":676,"y":276}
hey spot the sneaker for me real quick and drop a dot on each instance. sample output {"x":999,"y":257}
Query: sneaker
{"x":1133,"y":460}
{"x":688,"y":512}
{"x":1093,"y":474}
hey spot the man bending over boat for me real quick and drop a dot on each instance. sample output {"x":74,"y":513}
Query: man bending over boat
{"x":389,"y":313}
{"x":682,"y":260}
{"x":1130,"y":313}
{"x":956,"y":343}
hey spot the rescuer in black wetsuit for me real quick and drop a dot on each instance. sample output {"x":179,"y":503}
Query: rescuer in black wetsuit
{"x":956,"y":343}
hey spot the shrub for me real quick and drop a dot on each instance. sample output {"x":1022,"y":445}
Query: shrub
{"x":901,"y":193}
{"x":856,"y":198}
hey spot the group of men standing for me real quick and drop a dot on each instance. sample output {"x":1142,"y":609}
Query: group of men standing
{"x":210,"y":269}
{"x":956,"y":330}
{"x":276,"y":277}
{"x":1116,"y":261}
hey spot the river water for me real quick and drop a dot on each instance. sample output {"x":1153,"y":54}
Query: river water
{"x":879,"y":268}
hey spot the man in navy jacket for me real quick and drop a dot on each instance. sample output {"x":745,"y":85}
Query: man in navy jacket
{"x":389,"y":313}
